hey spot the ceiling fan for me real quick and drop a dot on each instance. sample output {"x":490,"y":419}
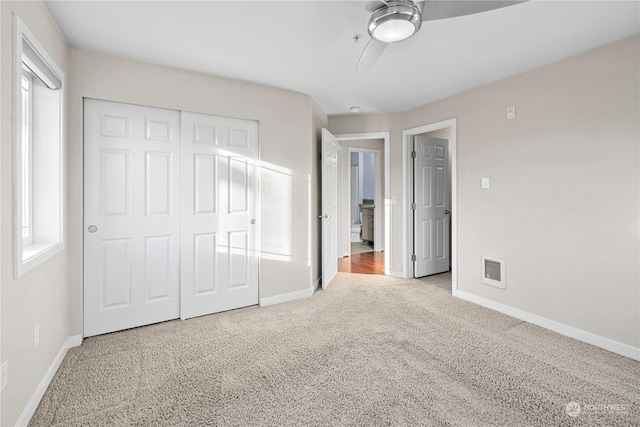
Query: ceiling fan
{"x":396,"y":20}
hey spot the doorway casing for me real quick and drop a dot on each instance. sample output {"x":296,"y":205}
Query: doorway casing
{"x":407,"y":220}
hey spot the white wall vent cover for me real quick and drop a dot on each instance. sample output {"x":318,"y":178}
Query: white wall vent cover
{"x":493,"y":272}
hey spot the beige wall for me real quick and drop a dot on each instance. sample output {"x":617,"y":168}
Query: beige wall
{"x":42,"y":295}
{"x":319,"y":120}
{"x":345,"y":222}
{"x":441,"y":133}
{"x":564,"y":204}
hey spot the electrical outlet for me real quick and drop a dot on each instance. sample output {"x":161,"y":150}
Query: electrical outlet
{"x":4,"y":370}
{"x":511,"y":112}
{"x":36,"y":336}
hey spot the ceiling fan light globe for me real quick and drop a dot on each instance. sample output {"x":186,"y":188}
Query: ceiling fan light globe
{"x":393,"y":31}
{"x":395,"y":21}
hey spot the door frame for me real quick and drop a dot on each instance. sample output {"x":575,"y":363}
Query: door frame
{"x":378,"y":243}
{"x":340,"y":207}
{"x":386,"y":194}
{"x":407,"y":184}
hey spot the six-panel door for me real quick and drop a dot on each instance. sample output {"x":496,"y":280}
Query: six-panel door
{"x":329,"y":207}
{"x":431,"y":219}
{"x":131,"y":217}
{"x":219,"y":206}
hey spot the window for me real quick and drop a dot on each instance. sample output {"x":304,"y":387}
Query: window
{"x":38,"y":149}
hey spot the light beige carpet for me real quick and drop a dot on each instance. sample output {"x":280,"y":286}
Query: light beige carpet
{"x":370,"y":350}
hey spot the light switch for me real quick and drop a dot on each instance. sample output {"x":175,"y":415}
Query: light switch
{"x":485,"y":183}
{"x":511,"y":112}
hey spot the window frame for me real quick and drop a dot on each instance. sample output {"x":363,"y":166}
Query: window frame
{"x":46,"y":238}
{"x":28,"y":129}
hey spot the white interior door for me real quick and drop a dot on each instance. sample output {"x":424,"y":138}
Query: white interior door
{"x":219,"y":268}
{"x":329,"y":207}
{"x":131,"y":228}
{"x":431,"y":210}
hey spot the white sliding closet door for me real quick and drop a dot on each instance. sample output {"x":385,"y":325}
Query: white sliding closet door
{"x":170,"y":209}
{"x":131,"y":216}
{"x":219,"y":267}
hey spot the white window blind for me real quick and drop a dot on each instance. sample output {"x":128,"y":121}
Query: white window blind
{"x":39,"y":66}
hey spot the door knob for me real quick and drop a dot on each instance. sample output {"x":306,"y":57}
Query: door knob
{"x":253,"y":221}
{"x":446,"y":212}
{"x":92,"y":229}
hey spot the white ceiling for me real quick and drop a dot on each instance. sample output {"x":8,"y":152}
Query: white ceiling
{"x":307,"y":46}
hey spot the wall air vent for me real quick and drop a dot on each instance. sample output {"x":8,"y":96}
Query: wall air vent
{"x":493,"y":272}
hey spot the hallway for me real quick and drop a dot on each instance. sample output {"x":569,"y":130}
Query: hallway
{"x":362,"y":263}
{"x":371,"y":262}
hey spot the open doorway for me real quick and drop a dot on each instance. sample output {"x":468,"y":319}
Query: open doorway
{"x":431,"y":214}
{"x":362,"y":212}
{"x":364,"y":182}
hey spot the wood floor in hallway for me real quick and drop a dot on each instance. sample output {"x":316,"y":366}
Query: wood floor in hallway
{"x":364,"y":263}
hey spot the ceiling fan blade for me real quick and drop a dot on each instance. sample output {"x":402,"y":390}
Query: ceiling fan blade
{"x":438,"y":9}
{"x":374,"y":5}
{"x":368,"y":5}
{"x":370,"y":55}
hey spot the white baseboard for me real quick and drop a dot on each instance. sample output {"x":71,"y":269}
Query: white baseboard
{"x":291,"y":296}
{"x":561,"y":328}
{"x":31,"y":407}
{"x":74,"y":341}
{"x":398,"y":274}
